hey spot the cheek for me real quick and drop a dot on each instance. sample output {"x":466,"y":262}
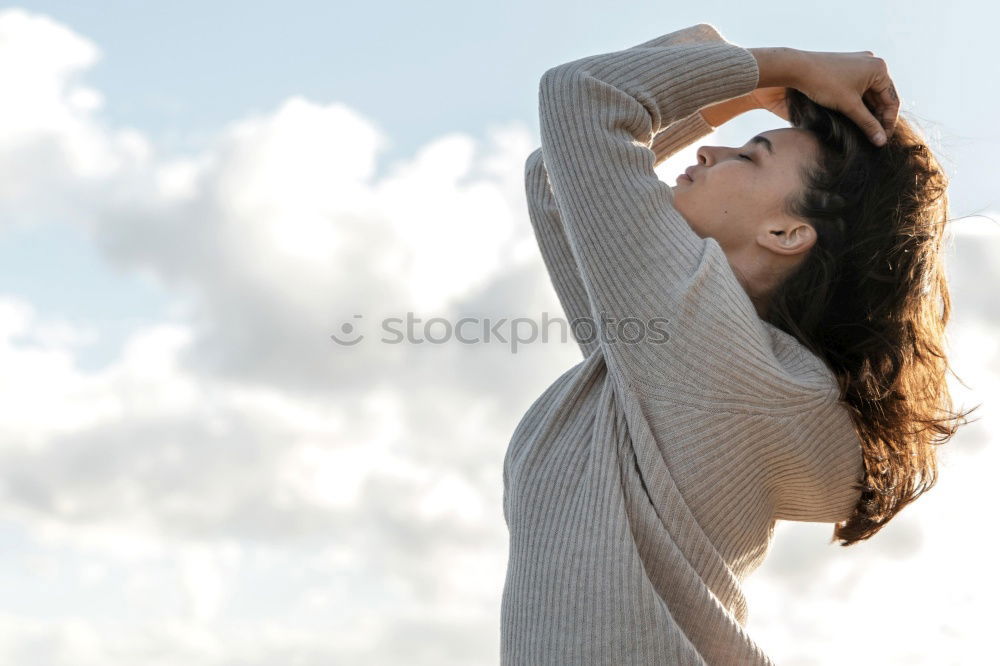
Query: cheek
{"x":726,"y":183}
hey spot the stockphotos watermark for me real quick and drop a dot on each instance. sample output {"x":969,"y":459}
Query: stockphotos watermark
{"x":515,"y":332}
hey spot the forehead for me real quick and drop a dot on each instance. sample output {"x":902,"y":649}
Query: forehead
{"x":789,"y":136}
{"x":791,"y":142}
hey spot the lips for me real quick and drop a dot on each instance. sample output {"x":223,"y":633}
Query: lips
{"x":689,"y":172}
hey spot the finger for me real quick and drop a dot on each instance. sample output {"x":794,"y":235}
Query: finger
{"x":867,"y":122}
{"x":887,"y":102}
{"x":872,"y":103}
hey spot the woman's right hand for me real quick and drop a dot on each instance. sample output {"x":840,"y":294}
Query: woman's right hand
{"x":771,"y":99}
{"x":856,"y":84}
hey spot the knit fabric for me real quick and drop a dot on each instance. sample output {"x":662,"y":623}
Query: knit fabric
{"x":643,"y":485}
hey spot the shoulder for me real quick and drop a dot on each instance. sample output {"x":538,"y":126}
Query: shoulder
{"x":822,"y":464}
{"x":807,"y":369}
{"x":721,"y":355}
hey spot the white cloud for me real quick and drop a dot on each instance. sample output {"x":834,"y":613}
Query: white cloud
{"x":50,"y":138}
{"x":236,"y":429}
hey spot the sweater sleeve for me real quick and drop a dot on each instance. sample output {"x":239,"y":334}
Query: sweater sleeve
{"x":818,"y":468}
{"x":636,"y":256}
{"x":639,"y":263}
{"x":544,"y":214}
{"x":551,"y":236}
{"x":723,"y":451}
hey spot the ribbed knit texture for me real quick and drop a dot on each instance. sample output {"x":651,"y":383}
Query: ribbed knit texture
{"x":643,"y":485}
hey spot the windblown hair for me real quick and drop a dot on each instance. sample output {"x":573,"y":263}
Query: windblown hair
{"x":871,"y":300}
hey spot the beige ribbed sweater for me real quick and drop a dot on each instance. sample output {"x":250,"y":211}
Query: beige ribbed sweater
{"x":643,"y":485}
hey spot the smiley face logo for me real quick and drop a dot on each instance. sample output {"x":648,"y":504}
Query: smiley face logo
{"x":347,"y":328}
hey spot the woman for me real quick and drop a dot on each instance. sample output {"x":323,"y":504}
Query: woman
{"x":761,"y":342}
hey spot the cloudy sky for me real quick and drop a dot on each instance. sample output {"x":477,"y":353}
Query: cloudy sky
{"x":195,"y":196}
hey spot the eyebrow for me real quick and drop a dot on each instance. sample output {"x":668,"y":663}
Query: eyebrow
{"x":764,"y":140}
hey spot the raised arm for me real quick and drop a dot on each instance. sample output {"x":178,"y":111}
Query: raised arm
{"x":544,"y":214}
{"x":636,"y":254}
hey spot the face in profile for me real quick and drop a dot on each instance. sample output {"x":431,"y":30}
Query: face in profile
{"x":736,"y":195}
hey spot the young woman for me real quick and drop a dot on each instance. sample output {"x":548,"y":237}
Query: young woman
{"x":761,"y":341}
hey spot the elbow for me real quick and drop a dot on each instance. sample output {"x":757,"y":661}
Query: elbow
{"x":534,"y":169}
{"x":534,"y":161}
{"x":545,"y":83}
{"x":547,"y":78}
{"x":555,"y":81}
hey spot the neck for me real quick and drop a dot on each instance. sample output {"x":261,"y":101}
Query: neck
{"x":759,"y":278}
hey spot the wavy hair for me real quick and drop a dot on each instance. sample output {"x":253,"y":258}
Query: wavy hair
{"x":871,"y":300}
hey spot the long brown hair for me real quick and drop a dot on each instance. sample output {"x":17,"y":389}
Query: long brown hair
{"x":871,"y":300}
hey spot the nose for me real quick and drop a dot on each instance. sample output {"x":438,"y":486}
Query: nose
{"x":709,"y":155}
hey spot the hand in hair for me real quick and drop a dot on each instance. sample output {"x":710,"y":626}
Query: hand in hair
{"x":856,"y":84}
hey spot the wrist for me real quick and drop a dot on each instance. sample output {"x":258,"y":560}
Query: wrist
{"x":779,"y":66}
{"x":722,"y":112}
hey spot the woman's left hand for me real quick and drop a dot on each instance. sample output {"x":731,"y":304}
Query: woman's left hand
{"x":857,"y":84}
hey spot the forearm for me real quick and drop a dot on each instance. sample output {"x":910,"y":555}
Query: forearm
{"x":680,"y":134}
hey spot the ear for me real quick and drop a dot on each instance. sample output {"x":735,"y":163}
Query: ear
{"x":789,"y":237}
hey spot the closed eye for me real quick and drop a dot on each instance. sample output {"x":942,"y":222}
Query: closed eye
{"x":746,"y":157}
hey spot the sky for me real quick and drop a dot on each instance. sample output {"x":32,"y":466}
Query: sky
{"x":195,"y":196}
